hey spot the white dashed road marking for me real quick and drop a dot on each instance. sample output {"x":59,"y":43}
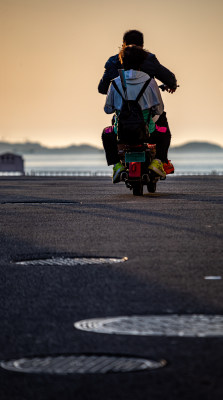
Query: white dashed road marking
{"x":213,"y":278}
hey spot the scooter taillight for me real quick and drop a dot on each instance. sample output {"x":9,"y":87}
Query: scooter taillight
{"x":134,"y":169}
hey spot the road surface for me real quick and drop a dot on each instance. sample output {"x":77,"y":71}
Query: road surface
{"x":173,"y":244}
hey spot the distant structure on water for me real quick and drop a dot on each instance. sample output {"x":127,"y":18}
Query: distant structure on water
{"x":10,"y":162}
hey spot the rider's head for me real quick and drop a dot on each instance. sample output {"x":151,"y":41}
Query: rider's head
{"x":133,"y":37}
{"x":132,"y":57}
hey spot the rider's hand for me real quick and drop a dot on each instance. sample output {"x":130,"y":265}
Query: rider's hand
{"x":165,"y":87}
{"x":170,"y":90}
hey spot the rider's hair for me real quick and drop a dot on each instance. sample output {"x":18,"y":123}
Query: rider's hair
{"x":132,"y":57}
{"x":133,"y":37}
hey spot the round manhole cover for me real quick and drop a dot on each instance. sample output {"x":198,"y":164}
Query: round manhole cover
{"x":157,"y":325}
{"x":81,"y":364}
{"x":72,"y":261}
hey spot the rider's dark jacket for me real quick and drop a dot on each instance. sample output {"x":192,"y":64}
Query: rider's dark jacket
{"x":150,"y":66}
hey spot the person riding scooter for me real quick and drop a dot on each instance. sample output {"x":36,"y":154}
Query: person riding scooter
{"x":154,"y":69}
{"x":131,"y":57}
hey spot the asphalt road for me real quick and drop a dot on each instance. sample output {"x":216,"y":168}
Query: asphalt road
{"x":172,"y":239}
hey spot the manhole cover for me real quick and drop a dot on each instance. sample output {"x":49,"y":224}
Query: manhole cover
{"x":81,"y":364}
{"x":72,"y":261}
{"x":157,"y":325}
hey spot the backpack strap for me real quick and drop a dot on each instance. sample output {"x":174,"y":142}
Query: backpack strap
{"x":143,"y":89}
{"x":117,"y":89}
{"x":140,"y":93}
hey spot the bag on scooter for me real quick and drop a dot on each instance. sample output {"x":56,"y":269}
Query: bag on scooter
{"x":132,"y":128}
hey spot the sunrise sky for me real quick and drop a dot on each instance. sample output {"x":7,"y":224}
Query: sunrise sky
{"x":53,"y":54}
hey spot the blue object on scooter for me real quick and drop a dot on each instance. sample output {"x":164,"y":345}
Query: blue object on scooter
{"x":135,"y":157}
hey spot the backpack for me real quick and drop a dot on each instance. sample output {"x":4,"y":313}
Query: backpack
{"x":131,"y":125}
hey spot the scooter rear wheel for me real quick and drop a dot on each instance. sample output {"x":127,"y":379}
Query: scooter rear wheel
{"x":138,"y":189}
{"x":151,"y":186}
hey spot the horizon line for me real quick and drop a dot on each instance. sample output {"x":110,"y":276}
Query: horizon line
{"x":95,"y":146}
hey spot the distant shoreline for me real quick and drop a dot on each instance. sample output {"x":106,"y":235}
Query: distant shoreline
{"x":36,"y":148}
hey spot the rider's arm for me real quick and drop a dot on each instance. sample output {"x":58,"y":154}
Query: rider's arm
{"x":105,"y":81}
{"x":111,"y":72}
{"x":109,"y":103}
{"x":153,"y":67}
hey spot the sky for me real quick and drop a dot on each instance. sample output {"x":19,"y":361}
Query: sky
{"x":53,"y":54}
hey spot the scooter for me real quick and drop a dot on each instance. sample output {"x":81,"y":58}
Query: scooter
{"x":136,"y":159}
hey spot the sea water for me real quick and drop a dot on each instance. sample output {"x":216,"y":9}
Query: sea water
{"x":184,"y":163}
